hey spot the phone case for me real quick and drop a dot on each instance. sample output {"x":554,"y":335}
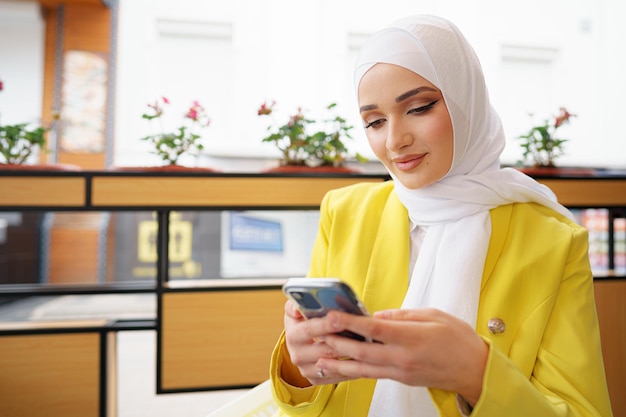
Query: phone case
{"x":315,"y":297}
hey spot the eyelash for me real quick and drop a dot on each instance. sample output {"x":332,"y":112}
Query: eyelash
{"x":425,"y":108}
{"x":418,"y":110}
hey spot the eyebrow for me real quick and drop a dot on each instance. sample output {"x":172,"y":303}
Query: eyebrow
{"x":413,"y":92}
{"x":400,"y":98}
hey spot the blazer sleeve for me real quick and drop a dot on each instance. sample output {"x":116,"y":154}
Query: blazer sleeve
{"x":358,"y":224}
{"x":567,"y":378}
{"x":291,"y":400}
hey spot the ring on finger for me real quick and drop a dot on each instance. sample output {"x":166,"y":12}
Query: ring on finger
{"x":320,"y":373}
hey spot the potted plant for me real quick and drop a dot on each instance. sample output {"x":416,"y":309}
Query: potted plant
{"x":308,"y":143}
{"x":169,"y":146}
{"x":540,"y":144}
{"x":18,"y":142}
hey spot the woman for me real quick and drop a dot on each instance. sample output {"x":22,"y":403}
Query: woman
{"x":479,"y":280}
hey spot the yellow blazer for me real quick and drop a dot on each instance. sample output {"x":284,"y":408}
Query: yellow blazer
{"x":537,"y":279}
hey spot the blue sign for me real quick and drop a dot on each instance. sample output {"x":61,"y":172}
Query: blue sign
{"x":250,"y":233}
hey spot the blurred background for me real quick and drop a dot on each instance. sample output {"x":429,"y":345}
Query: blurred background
{"x":231,"y":57}
{"x":234,"y":55}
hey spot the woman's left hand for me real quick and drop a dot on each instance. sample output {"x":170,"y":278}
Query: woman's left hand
{"x":420,"y":347}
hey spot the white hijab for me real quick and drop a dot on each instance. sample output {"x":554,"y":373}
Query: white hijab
{"x":455,"y":209}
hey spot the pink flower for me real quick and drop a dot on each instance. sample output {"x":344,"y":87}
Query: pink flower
{"x":171,"y":144}
{"x":563,"y":117}
{"x":266,"y":108}
{"x":196,"y":112}
{"x":192,"y":114}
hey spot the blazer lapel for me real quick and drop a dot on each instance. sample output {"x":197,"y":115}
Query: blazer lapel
{"x":388,"y":267}
{"x":500,"y":216}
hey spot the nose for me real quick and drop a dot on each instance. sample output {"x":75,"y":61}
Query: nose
{"x":398,"y":136}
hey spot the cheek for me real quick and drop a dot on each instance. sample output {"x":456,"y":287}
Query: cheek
{"x":442,"y":137}
{"x":377,"y":143}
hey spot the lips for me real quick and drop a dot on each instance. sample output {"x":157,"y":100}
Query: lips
{"x":408,"y":162}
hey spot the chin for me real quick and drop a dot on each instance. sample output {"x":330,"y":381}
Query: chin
{"x":417,"y":180}
{"x":412,"y":183}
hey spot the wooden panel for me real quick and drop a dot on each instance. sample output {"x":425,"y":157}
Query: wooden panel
{"x":611,"y":305}
{"x":87,"y":27}
{"x":214,"y":191}
{"x":54,"y":3}
{"x":51,"y":324}
{"x":50,"y":375}
{"x":588,"y":192}
{"x":74,"y":256}
{"x":112,"y":387}
{"x":42,"y":191}
{"x":219,"y":338}
{"x":47,"y":109}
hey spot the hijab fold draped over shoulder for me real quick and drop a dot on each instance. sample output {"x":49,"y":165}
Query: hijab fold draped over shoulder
{"x":455,"y":209}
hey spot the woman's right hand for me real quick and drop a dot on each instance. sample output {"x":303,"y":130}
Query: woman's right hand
{"x":305,"y":346}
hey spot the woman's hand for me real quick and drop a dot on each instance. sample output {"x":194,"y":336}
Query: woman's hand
{"x":305,"y":347}
{"x":421,"y":347}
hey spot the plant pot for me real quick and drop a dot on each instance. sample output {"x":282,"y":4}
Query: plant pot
{"x":164,"y":168}
{"x":39,"y":167}
{"x":291,"y":169}
{"x":557,"y":171}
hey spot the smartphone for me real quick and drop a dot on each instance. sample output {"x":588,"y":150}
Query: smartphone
{"x":315,"y":297}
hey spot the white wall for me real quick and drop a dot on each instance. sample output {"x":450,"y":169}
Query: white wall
{"x":232,"y":55}
{"x":21,"y":62}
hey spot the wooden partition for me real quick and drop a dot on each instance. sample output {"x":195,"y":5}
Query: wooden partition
{"x":611,"y":306}
{"x":42,"y":191}
{"x":57,"y":373}
{"x":220,"y":335}
{"x":588,"y":192}
{"x":218,"y":338}
{"x":216,"y":190}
